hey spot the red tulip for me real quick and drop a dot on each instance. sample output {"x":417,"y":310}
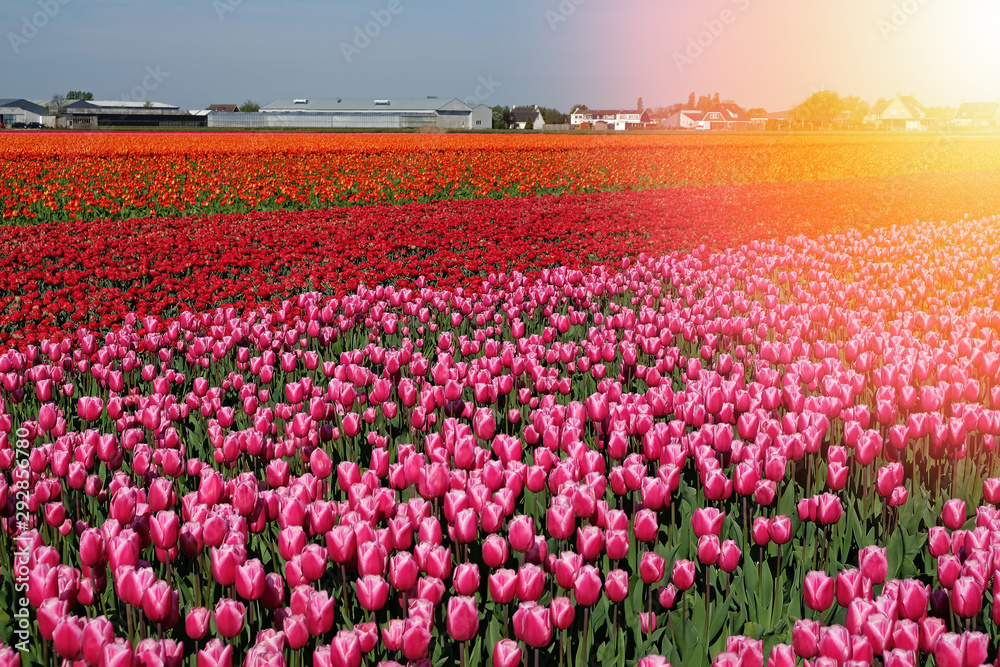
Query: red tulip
{"x":805,"y":638}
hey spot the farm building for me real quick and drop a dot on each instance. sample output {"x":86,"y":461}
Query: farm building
{"x":977,"y":114}
{"x":21,"y":111}
{"x":91,"y":114}
{"x":339,"y":112}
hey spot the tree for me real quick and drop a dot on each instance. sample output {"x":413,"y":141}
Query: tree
{"x":940,"y":114}
{"x":501,"y":117}
{"x":639,"y":105}
{"x":79,"y":95}
{"x":757,"y":112}
{"x":827,"y":107}
{"x":691,"y":101}
{"x":530,"y":125}
{"x":553,"y":116}
{"x":56,"y":104}
{"x":578,"y":107}
{"x":250,"y":106}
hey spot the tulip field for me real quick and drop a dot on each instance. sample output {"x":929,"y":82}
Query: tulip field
{"x":673,"y":415}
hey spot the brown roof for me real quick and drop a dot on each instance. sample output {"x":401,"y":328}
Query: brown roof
{"x":223,"y":107}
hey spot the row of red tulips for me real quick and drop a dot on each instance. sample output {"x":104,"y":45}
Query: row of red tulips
{"x":56,"y":279}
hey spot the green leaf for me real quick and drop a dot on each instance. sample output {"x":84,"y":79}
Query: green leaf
{"x":895,"y":552}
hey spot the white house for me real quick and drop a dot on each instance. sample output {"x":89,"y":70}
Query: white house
{"x":686,"y":119}
{"x":903,"y":112}
{"x":522,"y":115}
{"x":618,"y":119}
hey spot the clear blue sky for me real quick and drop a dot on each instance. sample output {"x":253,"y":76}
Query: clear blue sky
{"x":605,"y":53}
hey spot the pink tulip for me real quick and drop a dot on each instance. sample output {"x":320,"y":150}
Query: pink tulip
{"x":874,"y":563}
{"x":506,"y":653}
{"x":372,"y":591}
{"x":707,"y":521}
{"x":532,"y":625}
{"x":462,"y":618}
{"x":562,"y":612}
{"x":651,"y":567}
{"x":683,"y":574}
{"x":216,"y":654}
{"x":818,"y":590}
{"x":967,"y":597}
{"x":229,"y":617}
{"x":953,"y":514}
{"x":587,"y":587}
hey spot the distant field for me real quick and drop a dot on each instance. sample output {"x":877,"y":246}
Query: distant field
{"x":52,"y":177}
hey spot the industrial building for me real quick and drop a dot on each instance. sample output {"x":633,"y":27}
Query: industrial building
{"x":92,"y":114}
{"x":394,"y":113}
{"x":22,"y":111}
